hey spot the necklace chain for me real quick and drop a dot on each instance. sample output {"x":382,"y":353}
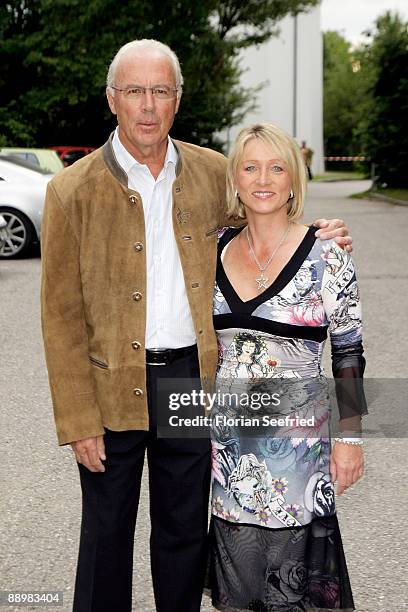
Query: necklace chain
{"x":263,"y":280}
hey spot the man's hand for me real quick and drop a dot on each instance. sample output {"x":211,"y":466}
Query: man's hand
{"x":346,"y":465}
{"x":334,"y":229}
{"x":89,"y":452}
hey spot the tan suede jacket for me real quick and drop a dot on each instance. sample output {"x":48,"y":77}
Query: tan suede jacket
{"x":94,"y":285}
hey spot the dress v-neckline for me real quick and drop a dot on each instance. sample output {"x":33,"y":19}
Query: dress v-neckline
{"x":284,"y":277}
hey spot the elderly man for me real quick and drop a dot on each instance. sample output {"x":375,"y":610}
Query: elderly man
{"x":129,"y":251}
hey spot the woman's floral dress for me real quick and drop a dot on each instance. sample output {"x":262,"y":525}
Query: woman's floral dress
{"x":275,"y":543}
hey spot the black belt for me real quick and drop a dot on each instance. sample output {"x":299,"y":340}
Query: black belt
{"x":162,"y":357}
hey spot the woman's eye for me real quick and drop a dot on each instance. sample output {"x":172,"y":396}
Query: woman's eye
{"x":277,"y":168}
{"x":249,"y":168}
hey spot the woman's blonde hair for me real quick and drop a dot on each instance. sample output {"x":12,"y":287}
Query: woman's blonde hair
{"x":286,"y":148}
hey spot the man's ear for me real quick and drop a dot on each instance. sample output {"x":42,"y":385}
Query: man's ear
{"x":111,"y":100}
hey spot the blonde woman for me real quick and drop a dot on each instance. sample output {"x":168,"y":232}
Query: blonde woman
{"x":275,"y":542}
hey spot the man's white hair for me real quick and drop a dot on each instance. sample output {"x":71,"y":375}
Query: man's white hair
{"x":138,"y":48}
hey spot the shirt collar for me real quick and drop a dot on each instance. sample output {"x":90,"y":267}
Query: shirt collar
{"x":127,"y":161}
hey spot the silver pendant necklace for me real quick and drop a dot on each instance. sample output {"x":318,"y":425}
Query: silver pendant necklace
{"x":262,"y":280}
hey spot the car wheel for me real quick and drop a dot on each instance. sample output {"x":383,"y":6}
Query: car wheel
{"x":17,"y":238}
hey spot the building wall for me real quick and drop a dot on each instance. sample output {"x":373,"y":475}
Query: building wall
{"x":293,"y":82}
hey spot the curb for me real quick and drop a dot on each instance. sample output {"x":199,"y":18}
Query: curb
{"x":384,"y":198}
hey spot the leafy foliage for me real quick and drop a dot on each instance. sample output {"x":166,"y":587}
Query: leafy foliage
{"x":55,"y":54}
{"x":366,"y":98}
{"x":384,"y":128}
{"x":343,"y":99}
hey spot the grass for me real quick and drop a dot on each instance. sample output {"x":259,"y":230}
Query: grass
{"x":397,"y":194}
{"x":339,"y":176}
{"x":363,"y":195}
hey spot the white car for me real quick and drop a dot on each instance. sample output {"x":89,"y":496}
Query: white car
{"x":43,"y":158}
{"x":22,"y":194}
{"x":3,"y":225}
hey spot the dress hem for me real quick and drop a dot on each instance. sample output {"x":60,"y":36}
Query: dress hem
{"x":223,"y":608}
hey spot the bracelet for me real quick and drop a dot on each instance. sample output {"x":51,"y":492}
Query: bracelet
{"x":356,"y":441}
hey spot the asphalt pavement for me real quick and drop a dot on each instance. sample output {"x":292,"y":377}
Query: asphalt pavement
{"x":39,"y":487}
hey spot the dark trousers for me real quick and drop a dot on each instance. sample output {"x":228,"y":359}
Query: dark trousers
{"x":179,"y":481}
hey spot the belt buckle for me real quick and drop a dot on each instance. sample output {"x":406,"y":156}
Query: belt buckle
{"x":158,"y":352}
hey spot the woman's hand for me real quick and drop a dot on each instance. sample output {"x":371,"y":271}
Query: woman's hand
{"x":346,"y":465}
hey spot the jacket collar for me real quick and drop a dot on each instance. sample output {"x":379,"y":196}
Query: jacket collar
{"x":117,"y":171}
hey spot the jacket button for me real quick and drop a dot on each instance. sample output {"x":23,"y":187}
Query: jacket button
{"x":132,"y":199}
{"x":138,"y":246}
{"x":137,"y":296}
{"x":178,"y":189}
{"x":138,"y":392}
{"x":136,"y":345}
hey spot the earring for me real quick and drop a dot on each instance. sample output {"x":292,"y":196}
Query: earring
{"x":237,"y":194}
{"x":291,"y":195}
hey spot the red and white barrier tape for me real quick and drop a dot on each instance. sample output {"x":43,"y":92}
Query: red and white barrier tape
{"x":345,"y":158}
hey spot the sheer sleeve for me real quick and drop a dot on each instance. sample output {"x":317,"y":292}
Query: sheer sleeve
{"x":342,"y":305}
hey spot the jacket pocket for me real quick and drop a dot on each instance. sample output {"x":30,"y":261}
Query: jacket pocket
{"x":97,"y":362}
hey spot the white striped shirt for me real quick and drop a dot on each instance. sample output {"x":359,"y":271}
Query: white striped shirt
{"x":168,"y":322}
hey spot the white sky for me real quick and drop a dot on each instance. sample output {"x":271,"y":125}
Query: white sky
{"x":352,"y":17}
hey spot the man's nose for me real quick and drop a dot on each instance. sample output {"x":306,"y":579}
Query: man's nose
{"x":148,"y":100}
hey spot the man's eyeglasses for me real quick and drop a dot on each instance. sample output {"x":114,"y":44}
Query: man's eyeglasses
{"x":161,"y":92}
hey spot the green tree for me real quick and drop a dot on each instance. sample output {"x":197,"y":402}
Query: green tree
{"x":384,"y":129}
{"x":343,"y":95}
{"x":55,"y":53}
